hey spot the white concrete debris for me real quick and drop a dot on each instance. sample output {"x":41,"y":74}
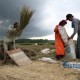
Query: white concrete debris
{"x":45,"y":51}
{"x":47,"y":59}
{"x":53,"y":50}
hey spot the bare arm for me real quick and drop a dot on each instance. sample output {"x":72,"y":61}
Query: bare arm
{"x":75,"y":28}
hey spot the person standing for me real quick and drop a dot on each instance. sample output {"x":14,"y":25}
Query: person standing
{"x":76,"y":27}
{"x":9,"y":39}
{"x":59,"y":44}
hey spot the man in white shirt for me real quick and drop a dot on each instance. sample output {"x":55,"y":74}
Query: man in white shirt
{"x":9,"y":39}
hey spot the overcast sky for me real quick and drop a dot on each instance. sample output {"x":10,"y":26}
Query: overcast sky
{"x":47,"y":15}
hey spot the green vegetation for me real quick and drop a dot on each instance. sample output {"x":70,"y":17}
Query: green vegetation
{"x":40,"y":41}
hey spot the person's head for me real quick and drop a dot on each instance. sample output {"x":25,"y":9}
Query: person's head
{"x":16,"y":24}
{"x":69,"y":17}
{"x":62,"y":23}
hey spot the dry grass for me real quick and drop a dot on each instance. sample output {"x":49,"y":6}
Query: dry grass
{"x":36,"y":71}
{"x":37,"y":49}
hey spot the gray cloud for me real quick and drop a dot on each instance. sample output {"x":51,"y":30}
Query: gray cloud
{"x":9,"y":10}
{"x":47,"y":14}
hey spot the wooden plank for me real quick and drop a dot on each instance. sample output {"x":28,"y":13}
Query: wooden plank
{"x":23,"y":61}
{"x":14,"y":51}
{"x":19,"y":57}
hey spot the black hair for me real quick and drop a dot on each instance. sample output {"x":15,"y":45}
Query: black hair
{"x":63,"y":22}
{"x":15,"y":24}
{"x":69,"y":16}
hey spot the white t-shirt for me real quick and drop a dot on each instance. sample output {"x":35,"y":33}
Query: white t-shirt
{"x":7,"y":38}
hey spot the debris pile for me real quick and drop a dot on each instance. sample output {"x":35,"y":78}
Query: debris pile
{"x":29,"y":53}
{"x":45,"y":51}
{"x":47,"y":59}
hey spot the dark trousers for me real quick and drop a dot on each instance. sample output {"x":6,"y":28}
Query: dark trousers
{"x":78,"y":47}
{"x":58,"y":57}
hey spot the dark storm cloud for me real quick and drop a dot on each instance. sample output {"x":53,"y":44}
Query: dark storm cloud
{"x":10,"y":10}
{"x":8,"y":14}
{"x":47,"y":14}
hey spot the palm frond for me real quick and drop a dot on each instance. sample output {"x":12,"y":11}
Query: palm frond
{"x":25,"y":17}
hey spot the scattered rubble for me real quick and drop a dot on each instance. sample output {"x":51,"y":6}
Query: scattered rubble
{"x":45,"y":51}
{"x":47,"y":59}
{"x":29,"y":53}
